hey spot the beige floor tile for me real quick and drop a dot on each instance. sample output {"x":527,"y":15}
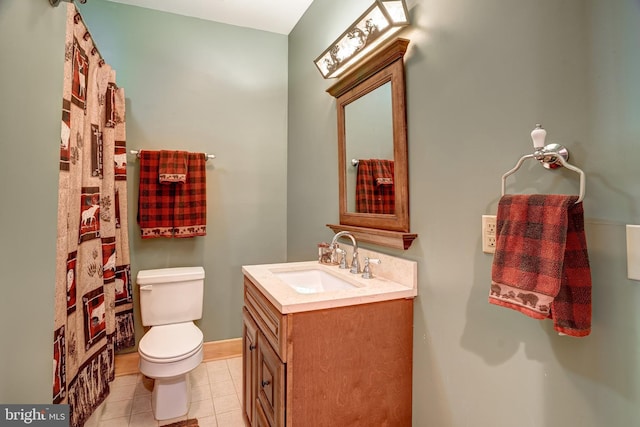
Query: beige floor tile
{"x":121,"y":391}
{"x":219,"y":375}
{"x":235,"y":367}
{"x":237,"y":384}
{"x":207,"y":422}
{"x":141,"y":404}
{"x":217,"y":365}
{"x":201,"y":409}
{"x":199,"y":376}
{"x":231,"y":419}
{"x":143,"y":419}
{"x":222,"y":388}
{"x":116,"y":409}
{"x":93,"y":420}
{"x":226,"y":403}
{"x":114,"y":422}
{"x":201,"y":392}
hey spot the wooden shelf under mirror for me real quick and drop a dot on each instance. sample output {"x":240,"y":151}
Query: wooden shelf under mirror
{"x":391,"y":239}
{"x":372,"y":129}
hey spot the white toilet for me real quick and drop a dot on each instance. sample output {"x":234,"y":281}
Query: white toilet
{"x":170,"y":300}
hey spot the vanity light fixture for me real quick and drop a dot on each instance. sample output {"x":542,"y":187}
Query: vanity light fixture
{"x":380,"y":21}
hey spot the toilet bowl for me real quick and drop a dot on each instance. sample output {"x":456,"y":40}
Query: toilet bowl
{"x":170,"y":299}
{"x":167,"y":354}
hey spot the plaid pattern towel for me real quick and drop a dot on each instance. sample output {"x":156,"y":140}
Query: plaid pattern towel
{"x":176,"y":210}
{"x":190,"y":213}
{"x":374,"y":187}
{"x":173,"y":166}
{"x":155,"y":201}
{"x":541,"y":265}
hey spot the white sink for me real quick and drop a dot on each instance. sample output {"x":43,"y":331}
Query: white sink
{"x":312,"y":281}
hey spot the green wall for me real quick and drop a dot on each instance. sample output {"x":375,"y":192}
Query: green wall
{"x":31,"y":58}
{"x":480,"y":75}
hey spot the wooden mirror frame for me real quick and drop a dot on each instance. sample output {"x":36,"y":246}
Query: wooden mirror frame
{"x":385,"y":66}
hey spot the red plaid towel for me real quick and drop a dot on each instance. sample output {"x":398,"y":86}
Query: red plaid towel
{"x":173,"y":166}
{"x":176,"y":210}
{"x":541,"y":265}
{"x":190,"y":214}
{"x":374,"y":187}
{"x":155,"y":201}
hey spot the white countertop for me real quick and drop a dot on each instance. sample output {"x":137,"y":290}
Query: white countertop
{"x":378,"y":288}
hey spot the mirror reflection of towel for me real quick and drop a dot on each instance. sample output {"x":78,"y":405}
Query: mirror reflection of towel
{"x":375,"y":192}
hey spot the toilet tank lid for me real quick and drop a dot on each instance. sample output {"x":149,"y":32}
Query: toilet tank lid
{"x":176,"y":274}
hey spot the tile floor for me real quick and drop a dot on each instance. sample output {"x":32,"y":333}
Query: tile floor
{"x":216,"y":395}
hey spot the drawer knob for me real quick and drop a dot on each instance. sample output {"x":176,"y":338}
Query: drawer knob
{"x":265,"y":383}
{"x":252,"y":347}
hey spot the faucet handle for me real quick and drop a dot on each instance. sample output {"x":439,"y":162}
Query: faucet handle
{"x":355,"y":264}
{"x":343,"y":257}
{"x":366,"y":274}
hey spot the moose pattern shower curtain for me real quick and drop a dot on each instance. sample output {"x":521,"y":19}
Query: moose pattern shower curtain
{"x":94,"y":304}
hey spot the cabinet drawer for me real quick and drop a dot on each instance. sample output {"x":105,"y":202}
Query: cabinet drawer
{"x":270,"y":394}
{"x":270,"y":321}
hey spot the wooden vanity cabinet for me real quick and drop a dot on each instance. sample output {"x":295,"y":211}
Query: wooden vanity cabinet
{"x":250,"y":363}
{"x":331,"y":367}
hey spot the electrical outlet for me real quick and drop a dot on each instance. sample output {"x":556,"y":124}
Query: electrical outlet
{"x":489,"y":234}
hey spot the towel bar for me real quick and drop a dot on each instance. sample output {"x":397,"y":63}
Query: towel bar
{"x":137,"y":153}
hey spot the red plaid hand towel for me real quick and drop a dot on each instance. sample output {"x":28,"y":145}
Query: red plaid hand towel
{"x":173,"y":166}
{"x":374,"y":187}
{"x":541,"y":265}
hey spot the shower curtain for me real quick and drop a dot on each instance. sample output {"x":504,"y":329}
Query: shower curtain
{"x":93,"y":297}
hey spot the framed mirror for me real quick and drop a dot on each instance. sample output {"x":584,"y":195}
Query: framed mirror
{"x":372,"y":150}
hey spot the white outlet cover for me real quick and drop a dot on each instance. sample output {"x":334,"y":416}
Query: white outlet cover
{"x":489,"y":234}
{"x":633,"y":252}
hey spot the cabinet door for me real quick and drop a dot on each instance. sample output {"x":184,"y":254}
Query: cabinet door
{"x":250,"y":364}
{"x":270,"y":382}
{"x":261,"y":418}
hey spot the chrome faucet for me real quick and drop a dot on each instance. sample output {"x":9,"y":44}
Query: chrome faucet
{"x":355,"y":264}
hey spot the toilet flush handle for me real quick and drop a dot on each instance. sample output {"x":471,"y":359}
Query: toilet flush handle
{"x":146,"y":287}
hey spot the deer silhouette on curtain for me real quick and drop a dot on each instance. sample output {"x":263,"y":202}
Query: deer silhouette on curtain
{"x":93,"y":298}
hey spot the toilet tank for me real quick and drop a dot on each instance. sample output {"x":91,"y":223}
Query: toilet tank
{"x":171,"y":295}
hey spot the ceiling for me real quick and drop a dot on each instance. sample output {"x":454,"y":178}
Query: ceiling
{"x":276,"y":16}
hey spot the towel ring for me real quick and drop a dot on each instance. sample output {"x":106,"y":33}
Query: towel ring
{"x":553,"y":157}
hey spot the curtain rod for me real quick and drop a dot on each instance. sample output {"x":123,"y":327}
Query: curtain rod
{"x":87,"y":35}
{"x":55,"y":3}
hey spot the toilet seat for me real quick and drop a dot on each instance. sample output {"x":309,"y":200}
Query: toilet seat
{"x":170,"y":343}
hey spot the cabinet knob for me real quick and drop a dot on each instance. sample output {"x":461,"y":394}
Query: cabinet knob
{"x":265,"y":383}
{"x":252,"y":347}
